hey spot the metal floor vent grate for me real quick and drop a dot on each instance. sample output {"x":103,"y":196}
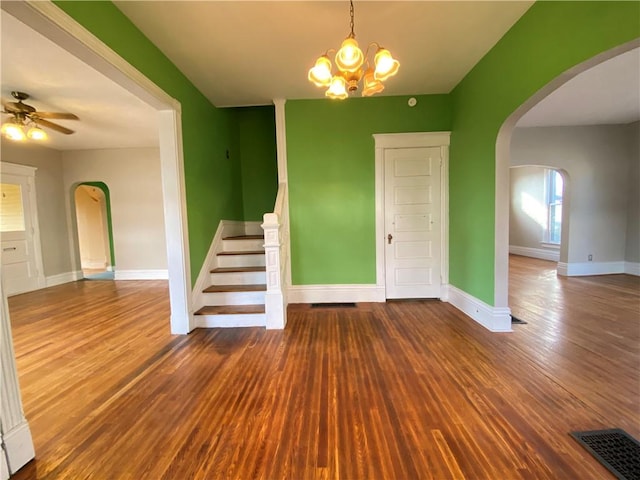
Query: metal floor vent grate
{"x":615,"y":449}
{"x":333,"y":305}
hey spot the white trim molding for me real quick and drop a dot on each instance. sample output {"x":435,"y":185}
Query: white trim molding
{"x":158,"y":274}
{"x":576,"y":269}
{"x":632,"y":268}
{"x":336,"y":293}
{"x":411,"y":140}
{"x":60,"y":278}
{"x":16,"y":435}
{"x":541,"y":253}
{"x":495,"y":319}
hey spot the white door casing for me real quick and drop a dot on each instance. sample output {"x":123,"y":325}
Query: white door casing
{"x":435,"y":145}
{"x":412,"y":222}
{"x":22,"y":268}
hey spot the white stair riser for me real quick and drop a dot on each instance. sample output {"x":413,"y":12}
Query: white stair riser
{"x":233,"y":298}
{"x":241,"y":261}
{"x":231,"y":320}
{"x":243,"y":245}
{"x":238,"y":278}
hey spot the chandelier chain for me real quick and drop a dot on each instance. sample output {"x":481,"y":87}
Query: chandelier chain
{"x":351,"y":13}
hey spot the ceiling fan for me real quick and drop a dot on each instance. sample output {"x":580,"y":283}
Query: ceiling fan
{"x":24,"y":115}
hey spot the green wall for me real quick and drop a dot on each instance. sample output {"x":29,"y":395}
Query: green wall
{"x":331,"y":169}
{"x":548,"y":40}
{"x":254,"y":148}
{"x":213,"y":183}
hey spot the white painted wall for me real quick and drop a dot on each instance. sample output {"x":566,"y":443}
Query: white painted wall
{"x":52,"y":216}
{"x":597,"y":161}
{"x":527,"y":215}
{"x":133,"y":178}
{"x":633,"y":206}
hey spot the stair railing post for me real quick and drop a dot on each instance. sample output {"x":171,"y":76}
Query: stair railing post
{"x":274,"y":301}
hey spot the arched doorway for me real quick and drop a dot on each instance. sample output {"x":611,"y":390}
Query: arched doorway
{"x":94,"y":230}
{"x":503,"y":164}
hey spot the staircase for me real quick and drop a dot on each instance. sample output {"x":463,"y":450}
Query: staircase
{"x":235,"y":296}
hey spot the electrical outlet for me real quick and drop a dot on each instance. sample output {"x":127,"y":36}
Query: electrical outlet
{"x":590,"y":258}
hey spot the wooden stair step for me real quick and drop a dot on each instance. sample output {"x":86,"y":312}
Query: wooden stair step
{"x":245,"y":237}
{"x":235,"y":288}
{"x":230,"y":310}
{"x":252,"y":252}
{"x":238,"y":269}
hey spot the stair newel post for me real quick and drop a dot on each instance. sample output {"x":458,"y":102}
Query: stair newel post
{"x":274,"y":300}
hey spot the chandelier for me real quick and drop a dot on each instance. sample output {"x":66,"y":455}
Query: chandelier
{"x":353,"y":66}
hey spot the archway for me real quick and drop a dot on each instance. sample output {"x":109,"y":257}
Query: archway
{"x":95,"y":230}
{"x":503,"y":163}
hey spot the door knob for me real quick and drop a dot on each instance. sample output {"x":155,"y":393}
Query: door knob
{"x":389,"y":238}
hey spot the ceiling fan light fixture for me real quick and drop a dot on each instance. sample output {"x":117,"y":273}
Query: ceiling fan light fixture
{"x":36,"y":133}
{"x":12,"y":130}
{"x":349,"y":61}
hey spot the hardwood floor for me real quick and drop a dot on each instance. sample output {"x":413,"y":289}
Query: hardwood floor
{"x":403,"y":390}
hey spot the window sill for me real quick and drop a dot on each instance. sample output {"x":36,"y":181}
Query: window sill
{"x":550,"y":246}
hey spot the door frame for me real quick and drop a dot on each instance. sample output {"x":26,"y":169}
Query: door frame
{"x":384,"y":141}
{"x":56,"y":25}
{"x":29,"y":173}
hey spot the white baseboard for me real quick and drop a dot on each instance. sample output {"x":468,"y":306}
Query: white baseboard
{"x":61,"y":278}
{"x":335,"y":293}
{"x":19,"y":446}
{"x":590,"y":268}
{"x":541,"y":253}
{"x":495,"y":319}
{"x":632,"y":268}
{"x":142,"y":274}
{"x":4,"y":468}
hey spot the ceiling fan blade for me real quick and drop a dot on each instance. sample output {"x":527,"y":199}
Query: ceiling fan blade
{"x":54,"y":126}
{"x":62,"y":116}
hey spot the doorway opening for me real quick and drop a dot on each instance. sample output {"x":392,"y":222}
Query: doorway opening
{"x":536,"y":213}
{"x":94,"y":230}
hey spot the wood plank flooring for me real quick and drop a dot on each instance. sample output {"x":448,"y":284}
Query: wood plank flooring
{"x":403,"y":390}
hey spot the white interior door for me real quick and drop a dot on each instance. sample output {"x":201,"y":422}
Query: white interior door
{"x":19,"y":239}
{"x":412,"y":222}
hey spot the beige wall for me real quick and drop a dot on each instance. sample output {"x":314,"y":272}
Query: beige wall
{"x":597,"y":161}
{"x":633,"y":208}
{"x":527,"y":216}
{"x":133,"y":178}
{"x":52,"y":217}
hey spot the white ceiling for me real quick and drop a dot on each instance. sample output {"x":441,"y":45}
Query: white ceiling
{"x":606,"y":94}
{"x":248,"y":52}
{"x":59,"y":82}
{"x":265,"y":49}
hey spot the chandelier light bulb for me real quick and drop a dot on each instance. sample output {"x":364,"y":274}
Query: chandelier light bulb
{"x":386,"y":65}
{"x":338,"y":88}
{"x":320,"y":73}
{"x":349,"y":58}
{"x":371,"y":84}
